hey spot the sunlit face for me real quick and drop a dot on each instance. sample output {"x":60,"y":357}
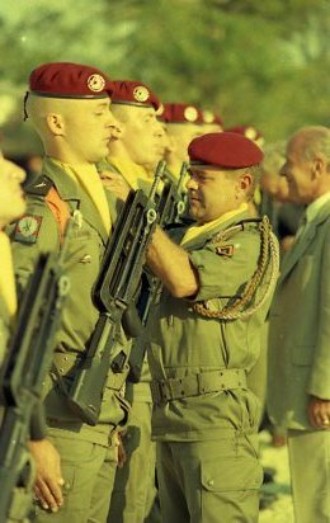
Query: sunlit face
{"x":211,"y":193}
{"x":88,"y":129}
{"x":12,"y":203}
{"x":298,"y":173}
{"x":181,"y":134}
{"x":140,"y":136}
{"x":162,"y":140}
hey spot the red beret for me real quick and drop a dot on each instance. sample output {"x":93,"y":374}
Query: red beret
{"x":225,"y":150}
{"x":128,"y":92}
{"x":180,"y":113}
{"x":69,"y":80}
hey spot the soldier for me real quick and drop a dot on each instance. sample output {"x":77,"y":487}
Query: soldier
{"x":183,"y":123}
{"x":136,"y":149}
{"x":136,"y":141}
{"x":69,"y":105}
{"x":12,"y":206}
{"x":299,"y":370}
{"x":205,"y":337}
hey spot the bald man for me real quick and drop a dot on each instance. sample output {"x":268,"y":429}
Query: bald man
{"x":299,"y":356}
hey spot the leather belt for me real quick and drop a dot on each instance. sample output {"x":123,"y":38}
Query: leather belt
{"x":197,"y":384}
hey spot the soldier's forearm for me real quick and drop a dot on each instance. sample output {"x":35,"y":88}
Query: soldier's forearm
{"x":171,"y":264}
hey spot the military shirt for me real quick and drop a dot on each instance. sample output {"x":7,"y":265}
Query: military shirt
{"x":184,"y":343}
{"x":38,"y":232}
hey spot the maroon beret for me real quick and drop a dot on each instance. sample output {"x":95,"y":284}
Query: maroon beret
{"x":180,"y":113}
{"x":224,"y":150}
{"x":69,"y":80}
{"x":129,"y":92}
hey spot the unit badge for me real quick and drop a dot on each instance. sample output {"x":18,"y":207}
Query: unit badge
{"x":140,"y":93}
{"x":27,"y":228}
{"x":225,"y":250}
{"x":96,"y":83}
{"x":190,"y":114}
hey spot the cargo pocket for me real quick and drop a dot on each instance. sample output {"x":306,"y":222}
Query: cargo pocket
{"x":230,"y":487}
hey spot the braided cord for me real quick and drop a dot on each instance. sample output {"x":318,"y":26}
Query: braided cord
{"x":240,"y":308}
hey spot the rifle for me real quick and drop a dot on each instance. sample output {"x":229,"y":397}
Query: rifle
{"x":27,"y":362}
{"x":113,"y":292}
{"x":172,"y":203}
{"x":170,"y":207}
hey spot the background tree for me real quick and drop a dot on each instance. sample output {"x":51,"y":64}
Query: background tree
{"x":260,"y":63}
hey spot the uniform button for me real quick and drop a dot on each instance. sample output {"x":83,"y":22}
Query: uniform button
{"x":210,"y":483}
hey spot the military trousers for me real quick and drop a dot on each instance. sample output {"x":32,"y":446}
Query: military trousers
{"x":211,"y":481}
{"x":88,"y":470}
{"x":309,"y":458}
{"x":134,"y":490}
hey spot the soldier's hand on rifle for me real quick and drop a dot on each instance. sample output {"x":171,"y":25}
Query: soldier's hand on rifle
{"x":49,"y":482}
{"x":116,"y":184}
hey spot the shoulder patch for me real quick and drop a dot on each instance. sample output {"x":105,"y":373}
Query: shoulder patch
{"x":27,"y":228}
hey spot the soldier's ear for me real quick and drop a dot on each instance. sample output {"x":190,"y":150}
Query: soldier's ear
{"x":55,"y":123}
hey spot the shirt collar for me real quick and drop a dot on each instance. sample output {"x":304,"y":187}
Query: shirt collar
{"x":314,"y":208}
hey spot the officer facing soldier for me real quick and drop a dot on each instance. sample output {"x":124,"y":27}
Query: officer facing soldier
{"x":205,"y":337}
{"x":69,"y":105}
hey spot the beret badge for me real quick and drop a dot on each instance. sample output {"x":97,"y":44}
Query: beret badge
{"x":96,"y":83}
{"x":190,"y":113}
{"x":140,"y":93}
{"x":208,"y":116}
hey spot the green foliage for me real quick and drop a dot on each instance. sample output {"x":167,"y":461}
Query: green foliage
{"x":260,"y":63}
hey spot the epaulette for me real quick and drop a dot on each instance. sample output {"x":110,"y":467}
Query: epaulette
{"x":243,"y":225}
{"x":39,"y":187}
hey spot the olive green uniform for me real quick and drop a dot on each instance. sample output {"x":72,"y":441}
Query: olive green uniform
{"x":21,"y":501}
{"x":88,"y":454}
{"x":205,"y":417}
{"x":134,"y":492}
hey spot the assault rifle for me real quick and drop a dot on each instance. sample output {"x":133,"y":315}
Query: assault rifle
{"x":24,"y":369}
{"x":113,"y":292}
{"x":170,"y":208}
{"x":172,"y":203}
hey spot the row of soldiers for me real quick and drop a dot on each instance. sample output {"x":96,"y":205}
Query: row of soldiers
{"x":199,"y":307}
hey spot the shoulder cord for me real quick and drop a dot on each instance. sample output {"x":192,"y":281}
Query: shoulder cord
{"x":241,"y":309}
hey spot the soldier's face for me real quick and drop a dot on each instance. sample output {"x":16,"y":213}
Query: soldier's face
{"x":141,"y":135}
{"x":12,"y":202}
{"x":88,"y":128}
{"x":212,"y":193}
{"x":181,"y":134}
{"x":298,"y":173}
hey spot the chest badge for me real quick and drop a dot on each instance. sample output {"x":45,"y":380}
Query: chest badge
{"x":225,"y":250}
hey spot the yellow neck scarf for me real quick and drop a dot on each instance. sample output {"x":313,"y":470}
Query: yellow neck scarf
{"x":197,"y":230}
{"x":89,"y":180}
{"x":7,"y":279}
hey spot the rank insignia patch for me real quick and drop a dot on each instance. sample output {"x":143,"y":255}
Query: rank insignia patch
{"x":225,"y":250}
{"x":27,"y":228}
